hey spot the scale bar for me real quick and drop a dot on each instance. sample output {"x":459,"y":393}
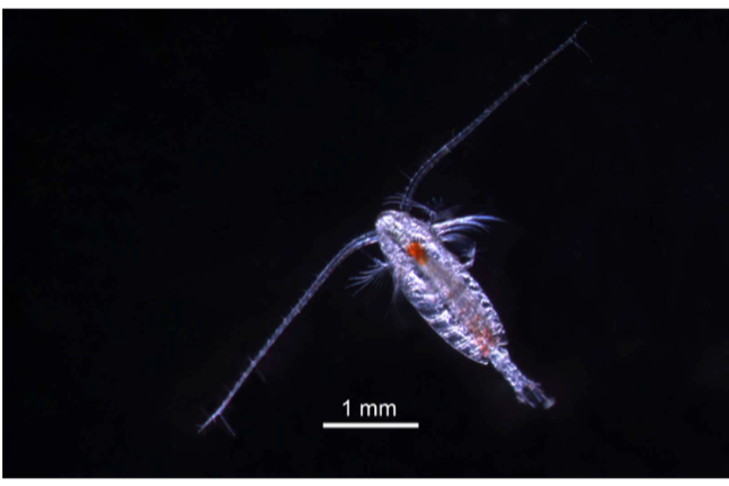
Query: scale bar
{"x":370,"y":425}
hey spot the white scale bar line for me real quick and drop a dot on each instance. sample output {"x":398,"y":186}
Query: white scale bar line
{"x":370,"y":425}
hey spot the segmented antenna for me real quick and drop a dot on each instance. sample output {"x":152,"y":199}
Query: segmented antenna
{"x":358,"y":243}
{"x":417,"y":178}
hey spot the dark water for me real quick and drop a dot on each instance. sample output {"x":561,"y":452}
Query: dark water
{"x":174,"y":180}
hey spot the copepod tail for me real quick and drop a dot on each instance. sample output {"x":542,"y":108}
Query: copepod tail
{"x":527,"y":391}
{"x":532,"y":395}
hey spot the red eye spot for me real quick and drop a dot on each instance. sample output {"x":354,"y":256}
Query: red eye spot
{"x":417,"y":251}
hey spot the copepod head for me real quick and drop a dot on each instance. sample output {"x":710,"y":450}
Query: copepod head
{"x":394,"y":227}
{"x":403,"y":237}
{"x":388,"y":221}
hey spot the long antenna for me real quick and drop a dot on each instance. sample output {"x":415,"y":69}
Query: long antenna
{"x":361,"y":241}
{"x":417,"y":178}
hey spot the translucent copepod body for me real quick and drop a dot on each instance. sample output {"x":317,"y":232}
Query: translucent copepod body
{"x":445,"y":294}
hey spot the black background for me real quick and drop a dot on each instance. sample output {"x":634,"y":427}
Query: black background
{"x":174,"y":180}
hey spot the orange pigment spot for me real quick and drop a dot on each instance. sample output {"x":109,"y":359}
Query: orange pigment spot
{"x":417,"y":251}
